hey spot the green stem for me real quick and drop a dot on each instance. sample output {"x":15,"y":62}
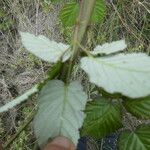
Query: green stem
{"x":86,"y":10}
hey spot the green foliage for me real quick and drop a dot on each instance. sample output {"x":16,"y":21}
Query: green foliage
{"x":70,"y":12}
{"x":138,"y":139}
{"x":99,"y":11}
{"x":61,"y":103}
{"x":59,"y":111}
{"x":138,"y":107}
{"x":103,"y":117}
{"x":53,"y":1}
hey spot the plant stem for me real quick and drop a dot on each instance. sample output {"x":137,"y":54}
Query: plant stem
{"x":86,"y":10}
{"x":54,"y":71}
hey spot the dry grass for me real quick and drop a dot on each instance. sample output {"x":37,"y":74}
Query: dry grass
{"x":20,"y":70}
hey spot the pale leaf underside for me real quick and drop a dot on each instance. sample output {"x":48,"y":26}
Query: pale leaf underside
{"x":45,"y":49}
{"x":109,"y":48}
{"x":126,"y":74}
{"x":60,"y":111}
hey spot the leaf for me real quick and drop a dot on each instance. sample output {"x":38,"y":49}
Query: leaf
{"x":137,"y":140}
{"x":43,"y":48}
{"x":127,"y":74}
{"x":19,"y":99}
{"x":99,"y":11}
{"x":69,"y":13}
{"x":55,"y":1}
{"x":60,"y":1}
{"x":139,"y":107}
{"x":60,"y":111}
{"x":102,"y":118}
{"x":109,"y":48}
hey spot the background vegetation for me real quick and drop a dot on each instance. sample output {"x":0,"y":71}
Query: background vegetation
{"x":20,"y":70}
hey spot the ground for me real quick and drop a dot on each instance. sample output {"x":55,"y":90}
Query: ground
{"x":20,"y":70}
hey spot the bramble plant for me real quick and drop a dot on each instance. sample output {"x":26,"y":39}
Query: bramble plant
{"x":121,"y":79}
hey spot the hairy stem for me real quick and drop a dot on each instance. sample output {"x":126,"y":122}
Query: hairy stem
{"x":54,"y":71}
{"x":86,"y":10}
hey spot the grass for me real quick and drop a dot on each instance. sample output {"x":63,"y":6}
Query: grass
{"x":19,"y":70}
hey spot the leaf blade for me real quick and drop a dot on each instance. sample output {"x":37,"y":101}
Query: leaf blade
{"x":138,"y":107}
{"x":103,"y":117}
{"x":99,"y":11}
{"x":122,"y":73}
{"x":69,"y":13}
{"x":139,"y":139}
{"x":60,"y":105}
{"x":43,"y":48}
{"x":109,"y":48}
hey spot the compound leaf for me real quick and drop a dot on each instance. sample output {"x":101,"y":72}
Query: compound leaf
{"x":139,"y":139}
{"x":127,"y":74}
{"x":102,"y":118}
{"x":138,"y":107}
{"x":45,"y":49}
{"x":60,"y":111}
{"x":109,"y":48}
{"x":99,"y":11}
{"x":69,"y":13}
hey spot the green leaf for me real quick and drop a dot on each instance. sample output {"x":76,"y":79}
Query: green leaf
{"x":69,"y":13}
{"x":19,"y":99}
{"x":45,"y":49}
{"x":99,"y":11}
{"x":137,"y":140}
{"x":54,"y":1}
{"x":102,"y":117}
{"x":138,"y":107}
{"x":109,"y":48}
{"x":60,"y":1}
{"x":127,"y":74}
{"x":60,"y":111}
